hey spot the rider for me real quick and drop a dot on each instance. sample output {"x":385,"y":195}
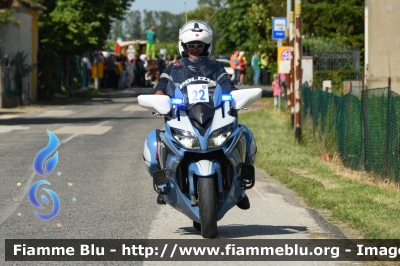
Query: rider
{"x":195,"y":41}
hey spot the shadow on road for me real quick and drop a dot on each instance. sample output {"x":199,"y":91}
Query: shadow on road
{"x":84,"y":120}
{"x":240,"y":231}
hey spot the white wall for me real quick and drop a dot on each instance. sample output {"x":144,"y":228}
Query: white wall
{"x":382,"y":43}
{"x":18,"y":38}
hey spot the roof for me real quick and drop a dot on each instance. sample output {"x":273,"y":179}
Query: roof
{"x":122,"y":44}
{"x":28,"y":4}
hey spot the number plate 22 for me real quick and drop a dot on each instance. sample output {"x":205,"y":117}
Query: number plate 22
{"x":198,"y":93}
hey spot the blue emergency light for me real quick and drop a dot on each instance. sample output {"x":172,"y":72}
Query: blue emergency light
{"x":226,"y":97}
{"x":176,"y":101}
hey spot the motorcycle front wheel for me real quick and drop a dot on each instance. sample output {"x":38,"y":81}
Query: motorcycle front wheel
{"x":207,"y":207}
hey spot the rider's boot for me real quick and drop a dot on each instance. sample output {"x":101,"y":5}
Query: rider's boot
{"x":161,"y":199}
{"x":244,"y":204}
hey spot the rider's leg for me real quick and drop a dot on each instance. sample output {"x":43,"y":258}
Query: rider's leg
{"x":150,"y":157}
{"x":251,"y":147}
{"x":251,"y":150}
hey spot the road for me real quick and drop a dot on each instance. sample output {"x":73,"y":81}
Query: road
{"x":105,"y":191}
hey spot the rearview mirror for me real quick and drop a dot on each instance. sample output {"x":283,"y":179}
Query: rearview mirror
{"x":245,"y":97}
{"x":157,"y":103}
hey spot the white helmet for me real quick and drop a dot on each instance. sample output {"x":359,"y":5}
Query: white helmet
{"x":195,"y":30}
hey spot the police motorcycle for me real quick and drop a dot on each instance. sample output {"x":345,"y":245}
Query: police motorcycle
{"x":203,"y":162}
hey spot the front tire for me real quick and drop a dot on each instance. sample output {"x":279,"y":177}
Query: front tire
{"x":207,"y":207}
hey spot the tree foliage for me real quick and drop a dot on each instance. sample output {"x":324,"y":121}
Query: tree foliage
{"x":69,"y":28}
{"x":340,"y":19}
{"x":135,"y":23}
{"x":247,"y":25}
{"x":75,"y":26}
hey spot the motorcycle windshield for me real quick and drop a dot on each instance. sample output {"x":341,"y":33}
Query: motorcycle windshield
{"x":201,"y":81}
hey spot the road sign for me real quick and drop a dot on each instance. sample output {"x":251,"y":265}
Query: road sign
{"x":278,"y":28}
{"x":284,"y":56}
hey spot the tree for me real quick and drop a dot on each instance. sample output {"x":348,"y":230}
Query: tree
{"x":232,"y":23}
{"x":133,"y":25}
{"x":168,"y":25}
{"x":203,"y":13}
{"x":342,"y":19}
{"x":118,"y":30}
{"x":247,"y":25}
{"x":75,"y":26}
{"x":72,"y":27}
{"x":214,"y":4}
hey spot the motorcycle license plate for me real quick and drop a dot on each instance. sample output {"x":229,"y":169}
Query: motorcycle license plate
{"x":197,"y":93}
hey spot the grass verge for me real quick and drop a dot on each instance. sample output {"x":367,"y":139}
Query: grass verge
{"x":369,"y":209}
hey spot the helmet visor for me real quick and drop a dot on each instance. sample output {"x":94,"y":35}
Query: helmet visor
{"x":195,"y":45}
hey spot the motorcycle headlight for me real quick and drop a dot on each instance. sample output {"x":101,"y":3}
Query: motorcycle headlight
{"x":219,"y":136}
{"x":186,"y":138}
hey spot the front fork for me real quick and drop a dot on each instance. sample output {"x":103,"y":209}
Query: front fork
{"x":205,"y":169}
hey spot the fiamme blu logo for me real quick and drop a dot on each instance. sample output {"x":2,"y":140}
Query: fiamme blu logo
{"x":45,"y":162}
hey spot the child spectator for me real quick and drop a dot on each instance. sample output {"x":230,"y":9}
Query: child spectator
{"x":277,"y":90}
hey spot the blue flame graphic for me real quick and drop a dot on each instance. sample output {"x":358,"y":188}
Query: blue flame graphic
{"x":44,"y":153}
{"x":35,"y":202}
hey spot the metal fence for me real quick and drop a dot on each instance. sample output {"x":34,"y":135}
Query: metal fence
{"x":8,"y":84}
{"x":9,"y":87}
{"x":364,"y":131}
{"x":348,"y":60}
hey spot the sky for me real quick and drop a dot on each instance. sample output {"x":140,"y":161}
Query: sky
{"x":173,"y":6}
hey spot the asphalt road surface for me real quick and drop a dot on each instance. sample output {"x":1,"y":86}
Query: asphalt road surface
{"x":105,"y":191}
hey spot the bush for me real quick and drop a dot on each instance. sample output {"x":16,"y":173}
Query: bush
{"x":47,"y":74}
{"x":337,"y":78}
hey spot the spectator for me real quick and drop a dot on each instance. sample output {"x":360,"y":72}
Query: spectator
{"x":242,"y":68}
{"x":143,"y":57}
{"x":235,"y":66}
{"x":124,"y":73}
{"x":282,"y":82}
{"x":255,"y":63}
{"x":149,"y":79}
{"x":150,"y":42}
{"x":88,"y":65}
{"x":265,"y":74}
{"x":276,"y":88}
{"x":111,"y":75}
{"x":131,"y":74}
{"x":118,"y":71}
{"x":161,"y":65}
{"x":140,"y":72}
{"x":175,"y":59}
{"x":168,"y":61}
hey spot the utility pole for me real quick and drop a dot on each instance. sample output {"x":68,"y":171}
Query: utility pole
{"x":290,"y":84}
{"x":288,"y":92}
{"x":298,"y":52}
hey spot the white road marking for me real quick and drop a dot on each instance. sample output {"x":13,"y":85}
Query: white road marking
{"x":134,"y":107}
{"x":5,"y":129}
{"x":8,"y":116}
{"x":55,"y":113}
{"x":8,"y":209}
{"x":83,"y":130}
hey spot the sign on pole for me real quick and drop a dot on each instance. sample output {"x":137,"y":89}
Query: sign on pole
{"x":131,"y":52}
{"x":284,"y":56}
{"x":278,"y":28}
